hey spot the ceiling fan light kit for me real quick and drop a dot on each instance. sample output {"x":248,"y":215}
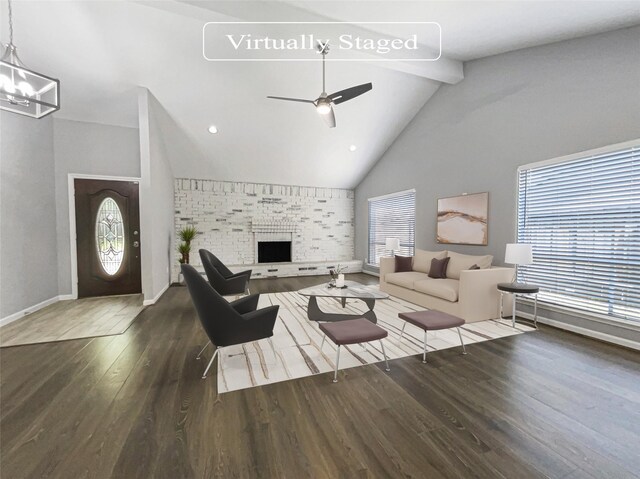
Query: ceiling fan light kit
{"x":324,"y":106}
{"x":24,"y":91}
{"x":324,"y":103}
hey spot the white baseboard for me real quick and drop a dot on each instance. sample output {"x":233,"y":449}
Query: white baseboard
{"x":32,"y":309}
{"x":149,"y":302}
{"x":372,"y":273}
{"x":583,"y":331}
{"x":67,"y":297}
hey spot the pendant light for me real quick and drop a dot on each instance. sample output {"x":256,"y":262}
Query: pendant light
{"x":24,"y":91}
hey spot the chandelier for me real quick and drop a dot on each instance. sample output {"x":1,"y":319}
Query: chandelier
{"x":24,"y":91}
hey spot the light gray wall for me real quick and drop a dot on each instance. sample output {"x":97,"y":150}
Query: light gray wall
{"x":510,"y":109}
{"x":28,"y":273}
{"x":163,"y":200}
{"x":156,"y":200}
{"x":90,"y":149}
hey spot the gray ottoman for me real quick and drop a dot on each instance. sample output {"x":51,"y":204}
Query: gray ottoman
{"x":353,"y":331}
{"x":430,"y":320}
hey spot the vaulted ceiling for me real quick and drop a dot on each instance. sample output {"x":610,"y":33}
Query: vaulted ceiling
{"x":103,"y":50}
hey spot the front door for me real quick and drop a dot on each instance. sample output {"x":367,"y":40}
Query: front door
{"x":107,"y":237}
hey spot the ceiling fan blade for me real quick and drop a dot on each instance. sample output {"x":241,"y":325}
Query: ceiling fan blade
{"x":329,"y":118}
{"x":290,"y":99}
{"x":350,"y":93}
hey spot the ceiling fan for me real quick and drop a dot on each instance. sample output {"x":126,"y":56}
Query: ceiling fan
{"x":324,"y":103}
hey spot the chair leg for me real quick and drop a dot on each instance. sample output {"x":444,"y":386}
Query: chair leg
{"x":402,"y":332}
{"x":335,"y":372}
{"x":323,"y":340}
{"x":424,"y":352}
{"x":202,"y":350}
{"x":386,"y":362}
{"x":204,"y":376}
{"x":464,"y":350}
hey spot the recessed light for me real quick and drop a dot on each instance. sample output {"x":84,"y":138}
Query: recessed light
{"x":213,"y":129}
{"x":353,"y":148}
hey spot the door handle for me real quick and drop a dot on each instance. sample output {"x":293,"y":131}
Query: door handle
{"x":136,"y":244}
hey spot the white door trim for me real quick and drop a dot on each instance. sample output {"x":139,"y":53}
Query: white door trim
{"x":73,"y":248}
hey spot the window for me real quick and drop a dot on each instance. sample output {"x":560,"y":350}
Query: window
{"x":110,"y":236}
{"x":392,"y":216}
{"x":582,"y":216}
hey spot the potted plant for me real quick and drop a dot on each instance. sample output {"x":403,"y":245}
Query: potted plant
{"x":186,"y":235}
{"x":184,"y":249}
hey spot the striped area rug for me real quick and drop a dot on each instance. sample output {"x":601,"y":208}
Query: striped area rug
{"x":294,"y":349}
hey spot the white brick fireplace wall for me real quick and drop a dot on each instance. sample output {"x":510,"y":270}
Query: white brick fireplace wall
{"x":224,"y":212}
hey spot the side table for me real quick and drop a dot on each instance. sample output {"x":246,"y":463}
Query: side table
{"x":519,"y":289}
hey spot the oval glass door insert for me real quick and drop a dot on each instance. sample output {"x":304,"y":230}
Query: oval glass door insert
{"x":110,"y":236}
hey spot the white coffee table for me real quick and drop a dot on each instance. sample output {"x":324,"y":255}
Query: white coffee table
{"x":353,"y":290}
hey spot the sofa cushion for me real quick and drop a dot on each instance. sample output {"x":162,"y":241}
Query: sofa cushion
{"x":403,"y":263}
{"x":440,"y":288}
{"x":405,"y":280}
{"x":460,"y":262}
{"x":422,"y":259}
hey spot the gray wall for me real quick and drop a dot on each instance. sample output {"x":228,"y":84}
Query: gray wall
{"x":90,"y":149}
{"x":28,"y":273}
{"x":510,"y":109}
{"x":156,"y":199}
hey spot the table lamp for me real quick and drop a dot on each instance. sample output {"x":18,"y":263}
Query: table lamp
{"x":518,"y":254}
{"x":392,"y":244}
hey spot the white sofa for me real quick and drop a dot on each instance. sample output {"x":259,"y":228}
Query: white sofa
{"x":470,"y":294}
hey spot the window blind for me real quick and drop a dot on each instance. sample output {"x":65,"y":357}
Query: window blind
{"x":583,"y":219}
{"x":392,"y":216}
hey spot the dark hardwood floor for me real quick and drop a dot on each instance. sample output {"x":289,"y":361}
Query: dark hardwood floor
{"x":541,"y":404}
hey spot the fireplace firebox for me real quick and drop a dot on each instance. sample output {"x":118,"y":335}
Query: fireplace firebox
{"x":274,"y":251}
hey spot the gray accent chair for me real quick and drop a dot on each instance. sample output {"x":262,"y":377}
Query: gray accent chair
{"x":221,"y":278}
{"x":227,"y":323}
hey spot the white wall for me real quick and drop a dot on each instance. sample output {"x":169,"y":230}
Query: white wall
{"x":224,"y":211}
{"x":89,"y":149}
{"x":156,"y":200}
{"x":28,"y":239}
{"x":510,"y":109}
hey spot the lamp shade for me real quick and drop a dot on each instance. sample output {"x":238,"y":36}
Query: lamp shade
{"x":392,"y":244}
{"x":518,"y":253}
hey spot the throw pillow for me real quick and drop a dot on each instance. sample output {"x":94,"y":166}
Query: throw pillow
{"x":475,"y":266}
{"x":403,"y":264}
{"x":438,"y":268}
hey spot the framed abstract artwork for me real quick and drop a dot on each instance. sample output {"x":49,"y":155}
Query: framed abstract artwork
{"x":463,"y":219}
